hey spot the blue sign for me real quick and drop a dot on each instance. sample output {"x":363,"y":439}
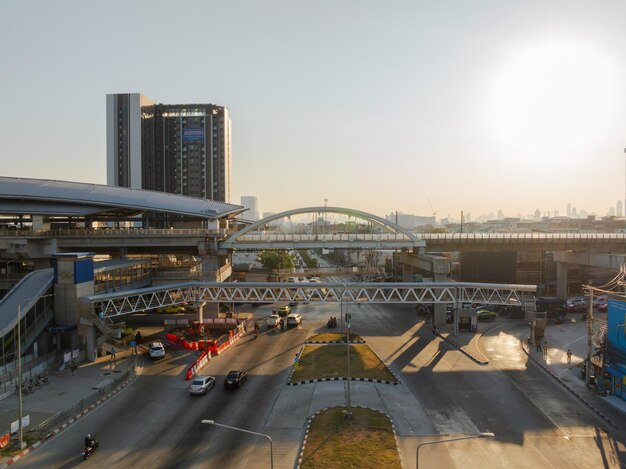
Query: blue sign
{"x":193,"y":135}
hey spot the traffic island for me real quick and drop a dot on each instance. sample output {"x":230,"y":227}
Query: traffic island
{"x":366,"y":440}
{"x":334,"y":338}
{"x":330,"y":362}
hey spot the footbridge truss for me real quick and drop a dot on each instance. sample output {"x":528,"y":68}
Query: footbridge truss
{"x":121,"y":303}
{"x":388,"y":235}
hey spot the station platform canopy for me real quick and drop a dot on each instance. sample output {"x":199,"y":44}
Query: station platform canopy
{"x":22,"y":196}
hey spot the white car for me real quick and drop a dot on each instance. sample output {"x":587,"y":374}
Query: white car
{"x":273,"y":321}
{"x":294,"y":319}
{"x":201,"y":384}
{"x":157,"y":350}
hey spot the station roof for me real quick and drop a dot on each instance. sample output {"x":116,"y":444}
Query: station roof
{"x":64,"y":198}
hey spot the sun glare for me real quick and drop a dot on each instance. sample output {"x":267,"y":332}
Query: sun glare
{"x":549,"y":100}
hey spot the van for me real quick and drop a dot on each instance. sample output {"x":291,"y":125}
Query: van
{"x":294,"y":319}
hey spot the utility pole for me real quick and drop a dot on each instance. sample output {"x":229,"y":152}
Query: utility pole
{"x":589,"y":341}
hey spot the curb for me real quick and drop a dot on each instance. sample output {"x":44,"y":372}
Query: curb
{"x":580,"y":398}
{"x":310,"y":421}
{"x":457,"y":346}
{"x":341,"y":378}
{"x":333,"y":342}
{"x":63,"y":426}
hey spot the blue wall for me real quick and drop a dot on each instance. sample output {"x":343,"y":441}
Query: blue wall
{"x":616,"y":317}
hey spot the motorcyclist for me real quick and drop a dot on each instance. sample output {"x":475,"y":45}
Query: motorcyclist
{"x":89,"y":441}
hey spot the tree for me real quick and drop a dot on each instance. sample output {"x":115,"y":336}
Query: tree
{"x":275,"y":259}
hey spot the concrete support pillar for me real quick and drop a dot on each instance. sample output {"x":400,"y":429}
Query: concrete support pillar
{"x":209,"y":263}
{"x":91,"y":345}
{"x":439,"y":311}
{"x":206,"y":310}
{"x":561,"y":280}
{"x":407,"y":273}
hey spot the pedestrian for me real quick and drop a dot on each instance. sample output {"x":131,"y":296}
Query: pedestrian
{"x":545,"y":349}
{"x":138,"y":337}
{"x":538,"y":344}
{"x":113,"y":352}
{"x":73,"y":366}
{"x":569,"y":356}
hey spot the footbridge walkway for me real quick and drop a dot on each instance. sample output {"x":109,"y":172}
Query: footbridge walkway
{"x":110,"y":305}
{"x":31,"y":298}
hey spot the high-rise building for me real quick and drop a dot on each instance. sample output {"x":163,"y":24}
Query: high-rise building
{"x":619,"y":208}
{"x":251,"y":203}
{"x":177,"y":148}
{"x":569,"y":210}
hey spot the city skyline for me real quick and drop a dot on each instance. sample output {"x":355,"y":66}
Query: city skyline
{"x":421,"y":108}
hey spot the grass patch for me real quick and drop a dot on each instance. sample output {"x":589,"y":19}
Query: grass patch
{"x":366,"y":440}
{"x":336,"y":336}
{"x":330,"y":361}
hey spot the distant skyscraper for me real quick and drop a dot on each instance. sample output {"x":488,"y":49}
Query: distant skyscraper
{"x":500,"y":214}
{"x":176,"y":148}
{"x":611,"y":211}
{"x":537,"y":214}
{"x":619,"y":207}
{"x":251,"y":203}
{"x":569,"y":210}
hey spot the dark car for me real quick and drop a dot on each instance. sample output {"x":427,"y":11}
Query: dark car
{"x":235,"y":379}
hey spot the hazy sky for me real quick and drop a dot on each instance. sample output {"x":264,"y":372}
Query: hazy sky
{"x":477,"y":105}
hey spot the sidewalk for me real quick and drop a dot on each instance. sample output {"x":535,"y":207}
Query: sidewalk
{"x":62,"y":392}
{"x":572,"y":335}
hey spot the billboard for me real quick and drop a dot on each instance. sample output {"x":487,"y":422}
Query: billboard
{"x":489,"y":267}
{"x":193,"y":134}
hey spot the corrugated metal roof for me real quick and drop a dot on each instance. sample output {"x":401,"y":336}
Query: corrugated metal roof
{"x":42,"y":191}
{"x":25,"y":293}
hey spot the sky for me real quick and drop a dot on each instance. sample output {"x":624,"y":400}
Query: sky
{"x":414,"y":106}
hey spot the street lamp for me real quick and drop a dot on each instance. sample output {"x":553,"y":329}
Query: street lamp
{"x":213,"y":422}
{"x":19,"y":364}
{"x":466,"y":437}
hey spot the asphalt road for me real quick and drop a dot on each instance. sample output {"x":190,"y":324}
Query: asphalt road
{"x":156,"y":423}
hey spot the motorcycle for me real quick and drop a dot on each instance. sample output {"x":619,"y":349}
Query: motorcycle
{"x":88,"y":450}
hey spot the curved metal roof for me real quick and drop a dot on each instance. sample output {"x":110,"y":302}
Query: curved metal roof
{"x":46,"y":197}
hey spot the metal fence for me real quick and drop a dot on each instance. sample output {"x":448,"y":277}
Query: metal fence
{"x":46,"y":427}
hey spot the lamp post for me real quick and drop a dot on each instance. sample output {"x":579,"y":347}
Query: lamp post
{"x":213,"y":422}
{"x":466,"y":437}
{"x":348,"y":396}
{"x":19,"y":366}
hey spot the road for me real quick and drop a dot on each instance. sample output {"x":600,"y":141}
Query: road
{"x":155,"y":423}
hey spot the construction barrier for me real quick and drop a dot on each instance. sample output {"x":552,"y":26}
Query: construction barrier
{"x":200,"y":362}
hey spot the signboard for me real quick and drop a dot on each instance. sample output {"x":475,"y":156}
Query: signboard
{"x":193,"y":134}
{"x":4,"y":440}
{"x":75,"y":353}
{"x":67,"y":356}
{"x":15,"y":426}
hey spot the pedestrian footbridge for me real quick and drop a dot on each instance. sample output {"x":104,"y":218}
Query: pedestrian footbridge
{"x":32,"y":299}
{"x":110,"y":305}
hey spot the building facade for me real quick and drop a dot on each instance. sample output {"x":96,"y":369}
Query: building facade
{"x":176,"y":148}
{"x":252,"y":204}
